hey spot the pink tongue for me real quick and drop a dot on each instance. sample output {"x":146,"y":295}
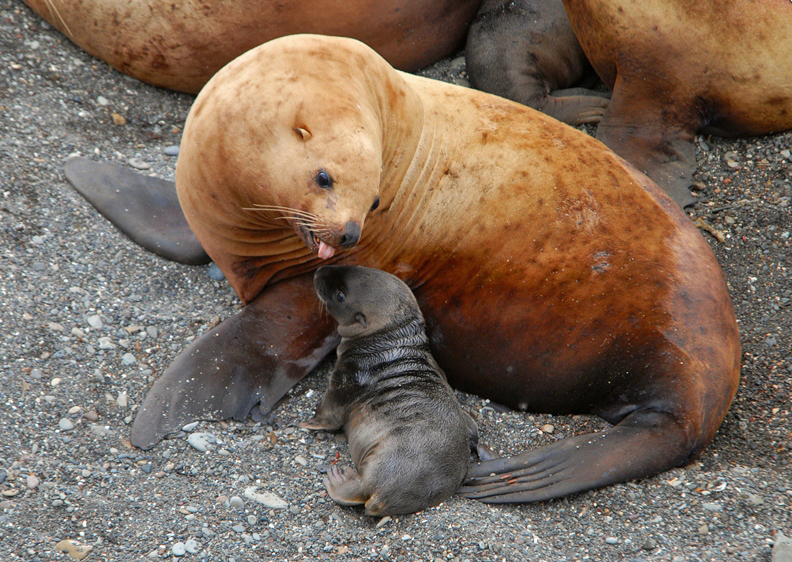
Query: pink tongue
{"x":325,"y":251}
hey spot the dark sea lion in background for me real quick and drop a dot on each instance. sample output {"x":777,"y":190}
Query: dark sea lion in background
{"x":180,"y":45}
{"x":408,"y":436}
{"x":526,"y":51}
{"x":679,"y":67}
{"x":552,"y":275}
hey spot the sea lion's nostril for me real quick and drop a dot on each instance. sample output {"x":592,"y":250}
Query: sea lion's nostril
{"x":351,"y":234}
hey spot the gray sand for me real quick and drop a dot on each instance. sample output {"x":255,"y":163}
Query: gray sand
{"x":89,"y":320}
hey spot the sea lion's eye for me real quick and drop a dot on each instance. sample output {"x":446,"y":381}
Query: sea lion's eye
{"x":375,"y":205}
{"x":340,"y":296}
{"x":324,"y":180}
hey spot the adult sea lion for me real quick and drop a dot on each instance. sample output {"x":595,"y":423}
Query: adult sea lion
{"x":679,"y":67}
{"x":526,"y":51}
{"x":180,"y":45}
{"x":408,"y":436}
{"x":553,"y":276}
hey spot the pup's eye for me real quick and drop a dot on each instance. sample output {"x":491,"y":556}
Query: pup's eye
{"x":340,"y":296}
{"x":375,"y":204}
{"x":323,"y":179}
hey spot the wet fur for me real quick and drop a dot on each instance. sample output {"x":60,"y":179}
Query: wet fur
{"x":408,"y":437}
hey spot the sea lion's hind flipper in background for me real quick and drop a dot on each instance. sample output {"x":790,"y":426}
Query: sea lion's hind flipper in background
{"x":144,"y":208}
{"x":653,"y":139}
{"x":254,"y":356}
{"x":643,"y":444}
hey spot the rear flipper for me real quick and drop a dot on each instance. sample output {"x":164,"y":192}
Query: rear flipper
{"x":576,"y":106}
{"x":146,"y":209}
{"x":643,"y":130}
{"x":526,"y":51}
{"x":255,"y":356}
{"x":643,"y":444}
{"x":345,"y":485}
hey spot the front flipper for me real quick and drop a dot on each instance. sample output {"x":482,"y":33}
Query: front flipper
{"x":255,"y":356}
{"x":641,"y":445}
{"x":146,"y":209}
{"x":655,"y":136}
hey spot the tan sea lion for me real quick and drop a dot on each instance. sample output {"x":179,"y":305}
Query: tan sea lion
{"x":553,"y":276}
{"x":408,"y":436}
{"x":679,"y":67}
{"x":180,"y":45}
{"x":526,"y":51}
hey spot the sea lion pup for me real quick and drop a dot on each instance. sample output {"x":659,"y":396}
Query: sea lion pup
{"x":408,"y":436}
{"x":526,"y":51}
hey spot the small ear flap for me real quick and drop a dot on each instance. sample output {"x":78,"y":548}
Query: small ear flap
{"x":305,"y":134}
{"x":360,"y":319}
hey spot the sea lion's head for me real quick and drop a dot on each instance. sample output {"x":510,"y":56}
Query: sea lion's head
{"x":364,"y":300}
{"x":290,"y":133}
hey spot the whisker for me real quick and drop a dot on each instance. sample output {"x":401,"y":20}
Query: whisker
{"x":278,"y":208}
{"x":54,"y":10}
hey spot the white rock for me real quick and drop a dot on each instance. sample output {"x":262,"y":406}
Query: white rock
{"x":267,"y":499}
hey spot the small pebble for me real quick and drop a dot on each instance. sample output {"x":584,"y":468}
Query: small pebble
{"x":612,"y":540}
{"x":139,"y":164}
{"x":703,"y":530}
{"x":66,"y":424}
{"x":252,"y":520}
{"x":171,"y":150}
{"x":782,"y":548}
{"x":128,"y":359}
{"x":214,"y":273}
{"x":179,"y":549}
{"x":267,"y":499}
{"x":238,"y":528}
{"x":547,"y":428}
{"x":191,"y":545}
{"x":32,"y":482}
{"x":650,"y":544}
{"x":106,"y":343}
{"x":236,"y":502}
{"x":190,"y":427}
{"x":95,"y":322}
{"x":198,"y":442}
{"x":74,"y":549}
{"x":102,"y":101}
{"x":755,"y":500}
{"x":122,"y":400}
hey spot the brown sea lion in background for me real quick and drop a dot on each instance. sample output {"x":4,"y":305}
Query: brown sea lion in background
{"x":553,"y":276}
{"x":408,"y":436}
{"x":180,"y":45}
{"x":680,"y":67}
{"x":526,"y":51}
